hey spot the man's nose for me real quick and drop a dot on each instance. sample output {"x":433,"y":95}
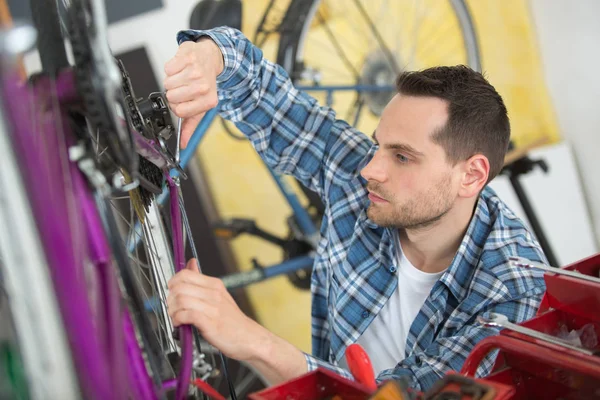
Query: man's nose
{"x":374,"y":170}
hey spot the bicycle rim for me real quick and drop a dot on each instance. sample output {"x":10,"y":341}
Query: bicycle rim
{"x":365,"y":42}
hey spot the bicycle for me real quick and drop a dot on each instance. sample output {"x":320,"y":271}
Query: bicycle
{"x":69,"y":156}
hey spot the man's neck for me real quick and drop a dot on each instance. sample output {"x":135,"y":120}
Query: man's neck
{"x":432,"y":248}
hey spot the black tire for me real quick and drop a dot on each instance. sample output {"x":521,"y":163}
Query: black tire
{"x":50,"y":41}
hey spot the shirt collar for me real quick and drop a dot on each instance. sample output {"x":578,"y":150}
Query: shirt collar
{"x":463,"y":266}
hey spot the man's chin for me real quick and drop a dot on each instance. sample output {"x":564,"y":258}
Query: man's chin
{"x":376,"y":216}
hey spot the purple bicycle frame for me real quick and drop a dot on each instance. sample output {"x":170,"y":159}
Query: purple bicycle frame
{"x":106,"y":354}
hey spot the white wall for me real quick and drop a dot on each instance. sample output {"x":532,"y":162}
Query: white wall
{"x":558,"y":202}
{"x":156,"y":30}
{"x":568,"y":33}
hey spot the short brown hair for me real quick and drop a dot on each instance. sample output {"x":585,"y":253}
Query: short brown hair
{"x":477,"y":118}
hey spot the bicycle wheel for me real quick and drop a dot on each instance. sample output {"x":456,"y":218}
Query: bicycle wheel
{"x":113,"y":345}
{"x":108,"y":348}
{"x":369,"y":42}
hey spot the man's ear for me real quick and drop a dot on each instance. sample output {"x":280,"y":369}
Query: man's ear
{"x":476,"y":171}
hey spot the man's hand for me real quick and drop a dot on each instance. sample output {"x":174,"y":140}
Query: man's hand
{"x":203,"y":301}
{"x":191,"y":82}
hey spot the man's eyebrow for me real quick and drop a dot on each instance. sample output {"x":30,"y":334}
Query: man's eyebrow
{"x":406,"y":148}
{"x":399,"y":146}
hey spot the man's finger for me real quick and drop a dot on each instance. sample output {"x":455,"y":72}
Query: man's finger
{"x":179,"y":95}
{"x":175,"y":65}
{"x":192,"y":265}
{"x":197,"y":313}
{"x":192,"y":291}
{"x":192,"y":108}
{"x":187,"y":129}
{"x":185,"y":276}
{"x":193,"y":278}
{"x":186,"y":317}
{"x":179,"y":79}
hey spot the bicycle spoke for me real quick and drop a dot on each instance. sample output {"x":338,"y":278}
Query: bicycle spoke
{"x":450,"y":51}
{"x":336,"y":73}
{"x":377,"y":35}
{"x":162,"y":335}
{"x":337,"y":46}
{"x":443,"y":33}
{"x":241,"y":387}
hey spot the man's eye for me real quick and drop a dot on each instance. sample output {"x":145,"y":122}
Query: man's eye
{"x":402,"y":158}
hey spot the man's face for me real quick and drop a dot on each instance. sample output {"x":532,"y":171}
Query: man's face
{"x":411,"y":184}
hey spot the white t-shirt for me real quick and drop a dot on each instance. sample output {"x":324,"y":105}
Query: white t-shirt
{"x":384,"y":340}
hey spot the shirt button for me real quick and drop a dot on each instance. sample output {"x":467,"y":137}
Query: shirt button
{"x":365,"y":314}
{"x":393,"y":270}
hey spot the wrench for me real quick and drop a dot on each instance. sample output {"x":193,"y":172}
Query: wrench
{"x":501,"y":321}
{"x":522,"y":262}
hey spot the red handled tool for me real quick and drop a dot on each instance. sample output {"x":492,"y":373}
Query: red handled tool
{"x":360,"y":366}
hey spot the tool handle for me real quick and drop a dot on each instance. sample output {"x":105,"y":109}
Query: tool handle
{"x":360,"y":366}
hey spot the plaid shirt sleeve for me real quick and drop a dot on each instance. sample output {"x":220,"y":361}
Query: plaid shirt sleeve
{"x":313,"y":363}
{"x":291,"y":132}
{"x":446,"y":354}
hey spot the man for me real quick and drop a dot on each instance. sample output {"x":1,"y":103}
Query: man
{"x":414,"y":246}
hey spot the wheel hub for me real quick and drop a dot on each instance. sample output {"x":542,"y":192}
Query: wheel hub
{"x":378,"y":70}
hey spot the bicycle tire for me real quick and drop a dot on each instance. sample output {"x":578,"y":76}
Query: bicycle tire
{"x":50,"y":45}
{"x":301,"y":14}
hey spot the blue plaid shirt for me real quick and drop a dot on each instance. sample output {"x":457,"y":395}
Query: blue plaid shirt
{"x":354,"y":271}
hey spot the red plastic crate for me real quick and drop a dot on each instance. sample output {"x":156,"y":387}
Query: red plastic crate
{"x":538,"y":369}
{"x":320,"y":384}
{"x":572,"y":295}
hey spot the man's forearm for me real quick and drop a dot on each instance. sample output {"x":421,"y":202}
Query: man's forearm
{"x":276,"y":359}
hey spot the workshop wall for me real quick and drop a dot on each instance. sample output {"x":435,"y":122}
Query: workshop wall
{"x":568,"y":33}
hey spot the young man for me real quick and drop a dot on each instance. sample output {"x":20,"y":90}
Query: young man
{"x":414,"y":246}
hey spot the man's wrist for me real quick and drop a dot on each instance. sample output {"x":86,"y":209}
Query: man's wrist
{"x":208,"y":43}
{"x":263,"y":344}
{"x":276,"y":359}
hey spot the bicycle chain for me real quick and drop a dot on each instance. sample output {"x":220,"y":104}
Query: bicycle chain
{"x":146,"y":168}
{"x":96,"y":109}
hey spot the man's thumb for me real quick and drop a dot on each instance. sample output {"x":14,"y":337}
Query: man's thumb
{"x":192,"y":265}
{"x":188,"y":126}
